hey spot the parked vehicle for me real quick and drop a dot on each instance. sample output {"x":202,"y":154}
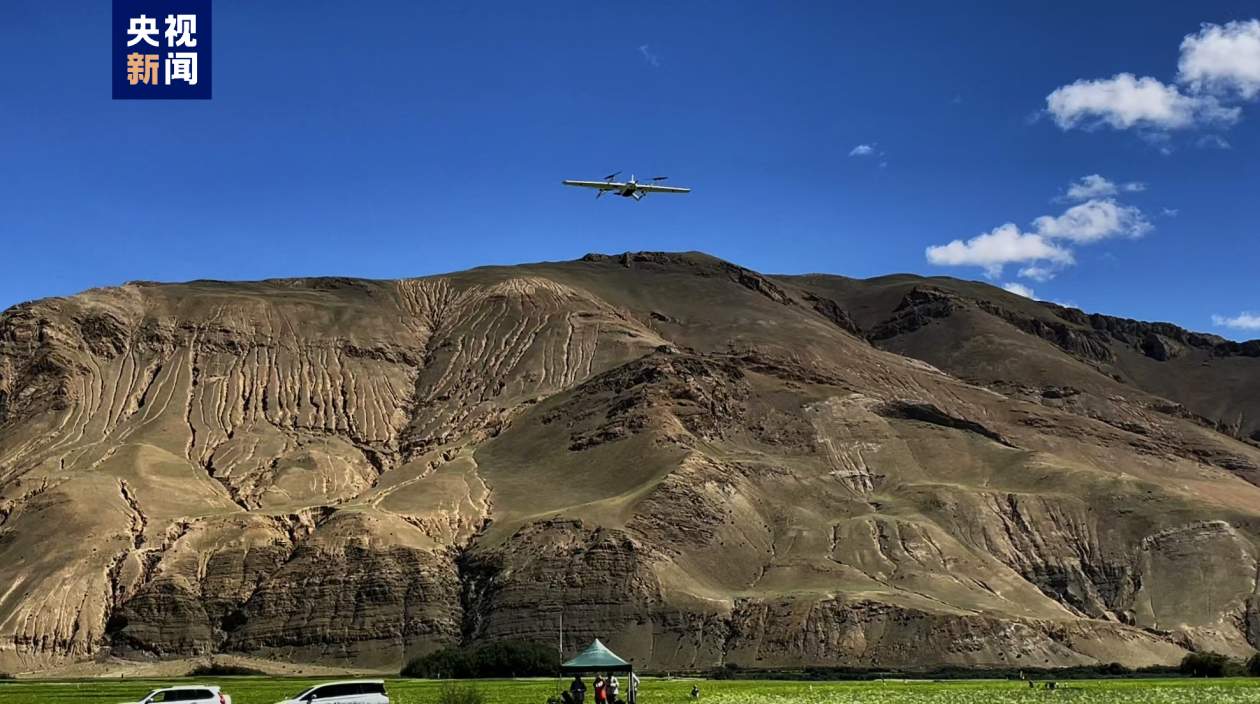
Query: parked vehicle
{"x":187,"y":694}
{"x":349,"y":692}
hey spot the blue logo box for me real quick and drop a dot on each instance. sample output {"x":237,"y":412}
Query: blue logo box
{"x":162,"y":50}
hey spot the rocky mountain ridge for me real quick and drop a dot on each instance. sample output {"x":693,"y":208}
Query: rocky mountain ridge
{"x":693,"y":461}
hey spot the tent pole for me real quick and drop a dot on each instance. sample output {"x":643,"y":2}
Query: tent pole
{"x":559,"y":677}
{"x":562,"y":633}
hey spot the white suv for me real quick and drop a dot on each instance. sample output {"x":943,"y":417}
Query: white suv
{"x":350,"y":692}
{"x":187,"y":694}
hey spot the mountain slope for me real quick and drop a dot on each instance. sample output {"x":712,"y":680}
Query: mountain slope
{"x":982,"y":333}
{"x":696,"y":462}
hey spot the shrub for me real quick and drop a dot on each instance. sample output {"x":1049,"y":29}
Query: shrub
{"x":1114,"y":669}
{"x":507,"y":658}
{"x":444,"y":663}
{"x":832,"y":673}
{"x":460,"y":694}
{"x":1204,"y":665}
{"x":215,"y":669}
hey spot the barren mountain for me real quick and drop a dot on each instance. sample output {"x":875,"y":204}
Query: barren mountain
{"x":697,"y":463}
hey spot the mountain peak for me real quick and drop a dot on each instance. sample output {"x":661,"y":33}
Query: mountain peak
{"x":647,"y":441}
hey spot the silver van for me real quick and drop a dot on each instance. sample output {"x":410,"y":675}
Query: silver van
{"x":348,"y":692}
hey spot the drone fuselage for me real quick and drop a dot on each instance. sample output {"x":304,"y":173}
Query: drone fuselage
{"x":628,"y":189}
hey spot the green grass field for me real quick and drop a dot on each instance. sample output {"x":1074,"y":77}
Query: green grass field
{"x":263,"y":690}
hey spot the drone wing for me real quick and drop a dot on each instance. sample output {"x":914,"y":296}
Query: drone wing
{"x":651,"y":188}
{"x":599,"y":185}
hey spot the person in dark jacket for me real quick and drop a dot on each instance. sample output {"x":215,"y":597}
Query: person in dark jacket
{"x":577,"y":688}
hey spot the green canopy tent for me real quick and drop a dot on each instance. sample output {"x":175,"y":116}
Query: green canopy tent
{"x":596,"y":658}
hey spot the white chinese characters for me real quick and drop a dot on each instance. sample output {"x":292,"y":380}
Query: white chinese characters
{"x":177,"y":66}
{"x":181,"y":66}
{"x":142,"y":29}
{"x":180,"y":30}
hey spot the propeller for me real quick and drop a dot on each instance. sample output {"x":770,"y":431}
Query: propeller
{"x":659,"y":178}
{"x":611,"y":176}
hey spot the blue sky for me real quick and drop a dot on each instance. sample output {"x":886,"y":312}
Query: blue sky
{"x":391,"y":139}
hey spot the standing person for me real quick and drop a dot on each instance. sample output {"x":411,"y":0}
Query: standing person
{"x":577,"y":688}
{"x":601,"y":690}
{"x":613,"y":687}
{"x":634,"y":688}
{"x":695,"y":691}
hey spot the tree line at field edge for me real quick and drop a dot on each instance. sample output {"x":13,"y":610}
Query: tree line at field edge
{"x":521,"y":658}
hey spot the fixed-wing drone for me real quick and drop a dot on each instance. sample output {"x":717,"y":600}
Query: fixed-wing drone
{"x":627,"y":189}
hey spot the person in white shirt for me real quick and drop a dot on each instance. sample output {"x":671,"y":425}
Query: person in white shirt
{"x":613,"y":686}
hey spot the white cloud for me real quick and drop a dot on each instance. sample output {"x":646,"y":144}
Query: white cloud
{"x":1094,"y":220}
{"x":1242,"y":321}
{"x":1020,"y":290}
{"x":862,"y":150}
{"x":1125,"y":101}
{"x":1213,"y":141}
{"x":1217,"y":66}
{"x":1046,"y":247}
{"x":1169,"y":212}
{"x":1092,"y":186}
{"x":648,"y":56}
{"x":1222,"y":59}
{"x":1096,"y":186}
{"x":997,"y":248}
{"x":1038,"y":273}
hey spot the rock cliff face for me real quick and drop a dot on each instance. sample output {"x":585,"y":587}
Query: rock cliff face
{"x":695,"y":462}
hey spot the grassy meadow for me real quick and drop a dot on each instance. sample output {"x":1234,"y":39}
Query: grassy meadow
{"x":265,"y":690}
